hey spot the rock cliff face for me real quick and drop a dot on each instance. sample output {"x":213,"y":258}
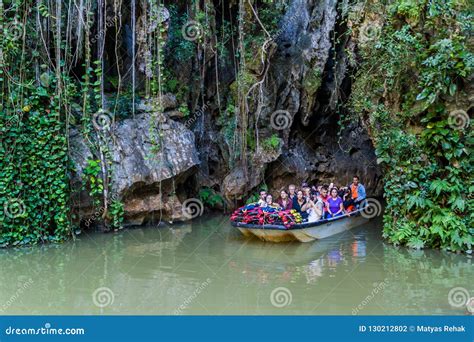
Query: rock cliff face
{"x":307,"y":80}
{"x":309,"y":89}
{"x":147,"y":176}
{"x":307,"y":83}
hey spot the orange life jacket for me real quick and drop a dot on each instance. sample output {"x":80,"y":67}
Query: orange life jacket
{"x":354,"y":191}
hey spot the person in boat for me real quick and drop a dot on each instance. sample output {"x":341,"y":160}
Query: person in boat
{"x":262,"y":199}
{"x":334,"y":204}
{"x":357,"y":191}
{"x":317,"y":192}
{"x":324,"y":196}
{"x":342,"y":191}
{"x":269,"y":203}
{"x":292,"y":191}
{"x":306,"y":191}
{"x":298,"y":202}
{"x":347,"y":200}
{"x":284,"y":201}
{"x":314,"y":209}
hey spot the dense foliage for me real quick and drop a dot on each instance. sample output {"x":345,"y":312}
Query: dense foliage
{"x":50,"y":81}
{"x":412,"y":91}
{"x":33,"y":145}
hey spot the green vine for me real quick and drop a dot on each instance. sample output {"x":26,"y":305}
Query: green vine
{"x":408,"y":90}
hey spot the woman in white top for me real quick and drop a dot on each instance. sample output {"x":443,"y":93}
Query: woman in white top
{"x":314,"y":210}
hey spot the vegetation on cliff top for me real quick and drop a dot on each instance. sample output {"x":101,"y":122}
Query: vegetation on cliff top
{"x":412,"y":91}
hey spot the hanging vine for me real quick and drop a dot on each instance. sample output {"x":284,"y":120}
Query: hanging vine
{"x":35,"y":99}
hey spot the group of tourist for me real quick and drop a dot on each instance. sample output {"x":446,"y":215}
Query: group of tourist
{"x":316,"y":202}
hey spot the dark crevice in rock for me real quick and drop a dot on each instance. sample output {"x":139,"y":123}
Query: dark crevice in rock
{"x":308,"y":77}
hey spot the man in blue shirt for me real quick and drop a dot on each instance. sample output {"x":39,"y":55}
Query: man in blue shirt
{"x":357,"y":191}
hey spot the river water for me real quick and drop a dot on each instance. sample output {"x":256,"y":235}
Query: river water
{"x":208,"y":267}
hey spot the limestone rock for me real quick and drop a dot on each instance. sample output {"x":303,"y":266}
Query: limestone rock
{"x":175,"y":114}
{"x":144,"y":174}
{"x":168,"y":102}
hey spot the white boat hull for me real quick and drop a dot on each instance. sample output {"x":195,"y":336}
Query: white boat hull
{"x":318,"y":232}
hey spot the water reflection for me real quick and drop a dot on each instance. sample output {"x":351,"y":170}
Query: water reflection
{"x":155,"y":270}
{"x":358,"y":248}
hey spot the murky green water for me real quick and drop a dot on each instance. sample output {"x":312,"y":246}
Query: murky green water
{"x":208,"y":268}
